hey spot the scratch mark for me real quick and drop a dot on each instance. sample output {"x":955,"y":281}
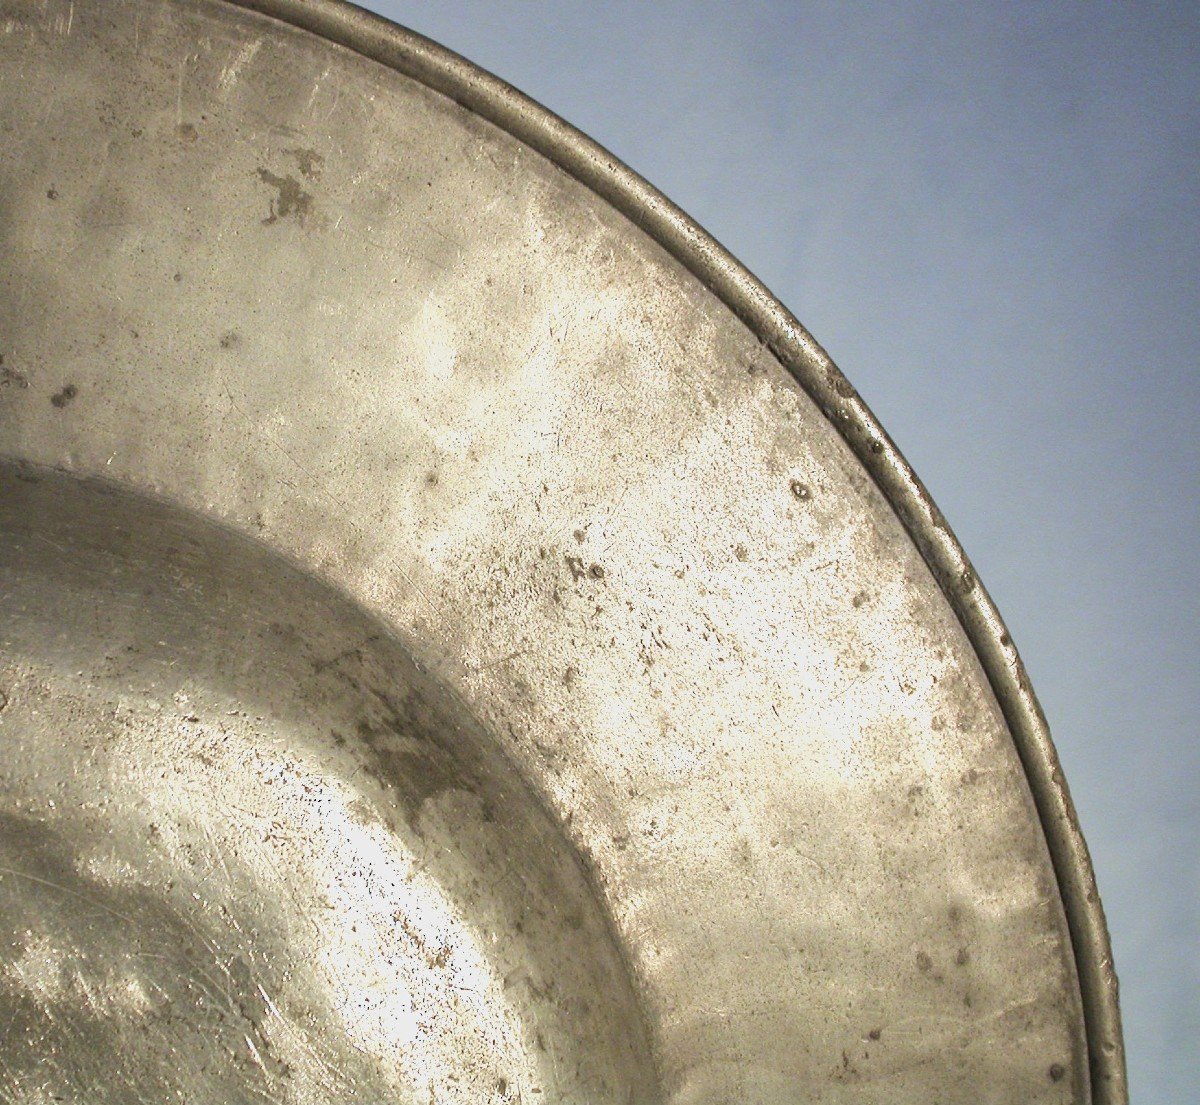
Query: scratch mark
{"x":184,"y":62}
{"x":315,"y":89}
{"x":502,"y":659}
{"x":845,"y":689}
{"x":67,"y":891}
{"x":233,"y":71}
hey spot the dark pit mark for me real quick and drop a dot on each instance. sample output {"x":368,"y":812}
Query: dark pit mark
{"x":875,"y":1033}
{"x":596,"y":571}
{"x":290,"y":200}
{"x":860,"y":599}
{"x":230,"y":339}
{"x":924,"y":963}
{"x":963,"y":957}
{"x":575,"y":563}
{"x":1057,"y":1072}
{"x":52,"y":193}
{"x":65,"y":396}
{"x":800,"y":490}
{"x":187,"y":133}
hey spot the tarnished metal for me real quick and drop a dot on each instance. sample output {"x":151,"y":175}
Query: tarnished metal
{"x":462,"y":640}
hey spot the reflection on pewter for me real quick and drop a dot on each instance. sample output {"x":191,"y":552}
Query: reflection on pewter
{"x":460,"y":641}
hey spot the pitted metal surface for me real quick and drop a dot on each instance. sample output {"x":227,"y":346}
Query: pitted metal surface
{"x":447,"y":656}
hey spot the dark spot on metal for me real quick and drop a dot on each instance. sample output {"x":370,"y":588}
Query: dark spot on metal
{"x":290,"y":200}
{"x":575,"y":563}
{"x":875,"y":1033}
{"x":1057,"y":1072}
{"x":800,"y":490}
{"x":187,"y":133}
{"x":578,"y":535}
{"x":967,"y":580}
{"x":65,"y":396}
{"x":924,"y":963}
{"x":3,"y":700}
{"x":742,"y":553}
{"x":596,"y":571}
{"x":177,"y":277}
{"x":963,"y":957}
{"x":876,"y":447}
{"x":10,"y":376}
{"x":841,"y":385}
{"x":230,"y":339}
{"x":860,"y":599}
{"x":52,"y":193}
{"x":309,"y":163}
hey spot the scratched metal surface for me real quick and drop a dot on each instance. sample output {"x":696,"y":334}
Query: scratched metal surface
{"x":446,"y":656}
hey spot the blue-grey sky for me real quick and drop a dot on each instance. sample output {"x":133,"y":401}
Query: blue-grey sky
{"x":989,"y":215}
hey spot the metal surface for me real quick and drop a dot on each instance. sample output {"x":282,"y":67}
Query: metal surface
{"x":462,"y":641}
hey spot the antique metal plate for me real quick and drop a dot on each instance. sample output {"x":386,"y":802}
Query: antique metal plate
{"x":462,"y":640}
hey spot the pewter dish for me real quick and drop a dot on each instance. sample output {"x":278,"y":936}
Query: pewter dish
{"x":462,"y":640}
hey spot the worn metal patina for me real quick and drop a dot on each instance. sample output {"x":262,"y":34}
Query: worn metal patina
{"x":462,"y":639}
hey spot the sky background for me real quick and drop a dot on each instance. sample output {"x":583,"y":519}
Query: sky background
{"x":988,"y":214}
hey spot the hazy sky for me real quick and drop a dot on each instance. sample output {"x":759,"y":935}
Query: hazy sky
{"x":989,"y":215}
